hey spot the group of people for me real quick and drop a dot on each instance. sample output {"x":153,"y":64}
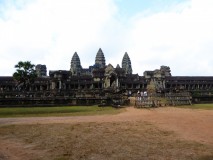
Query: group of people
{"x":142,"y":95}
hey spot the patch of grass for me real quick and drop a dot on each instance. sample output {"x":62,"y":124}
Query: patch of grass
{"x":57,"y":111}
{"x":198,"y":106}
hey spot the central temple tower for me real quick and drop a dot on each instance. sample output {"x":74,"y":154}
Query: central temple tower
{"x":100,"y":59}
{"x":126,"y":64}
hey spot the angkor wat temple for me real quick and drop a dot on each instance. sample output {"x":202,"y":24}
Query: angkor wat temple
{"x":101,"y":83}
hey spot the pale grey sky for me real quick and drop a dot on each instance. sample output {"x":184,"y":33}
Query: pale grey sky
{"x":177,"y":33}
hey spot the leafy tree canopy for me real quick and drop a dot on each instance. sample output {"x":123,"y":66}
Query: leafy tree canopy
{"x":25,"y":74}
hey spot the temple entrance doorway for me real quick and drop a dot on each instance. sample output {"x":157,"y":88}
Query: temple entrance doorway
{"x":113,"y":79}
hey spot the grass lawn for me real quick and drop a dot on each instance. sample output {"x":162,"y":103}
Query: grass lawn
{"x":56,"y":111}
{"x":198,"y":106}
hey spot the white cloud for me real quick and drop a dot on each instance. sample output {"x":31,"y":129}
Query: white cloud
{"x":180,"y":39}
{"x":50,"y":31}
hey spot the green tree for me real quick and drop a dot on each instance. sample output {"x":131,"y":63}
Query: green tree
{"x":25,"y":75}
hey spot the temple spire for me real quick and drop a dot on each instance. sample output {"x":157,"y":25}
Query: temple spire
{"x":100,"y":59}
{"x":75,"y":67}
{"x":126,"y":64}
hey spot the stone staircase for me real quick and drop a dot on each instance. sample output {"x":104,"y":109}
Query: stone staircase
{"x":167,"y":99}
{"x":176,"y":99}
{"x":153,"y":100}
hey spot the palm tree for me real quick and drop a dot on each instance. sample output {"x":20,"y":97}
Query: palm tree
{"x":25,"y":74}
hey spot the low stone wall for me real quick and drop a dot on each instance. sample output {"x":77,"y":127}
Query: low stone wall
{"x":51,"y":101}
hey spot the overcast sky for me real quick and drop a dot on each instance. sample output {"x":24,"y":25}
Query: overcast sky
{"x":175,"y":33}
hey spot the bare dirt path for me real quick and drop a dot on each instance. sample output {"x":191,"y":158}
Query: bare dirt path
{"x":191,"y":124}
{"x":15,"y":150}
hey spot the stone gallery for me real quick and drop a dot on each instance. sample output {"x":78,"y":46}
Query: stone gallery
{"x":103,"y":84}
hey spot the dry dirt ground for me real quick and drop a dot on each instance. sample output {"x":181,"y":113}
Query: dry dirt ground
{"x":158,"y":133}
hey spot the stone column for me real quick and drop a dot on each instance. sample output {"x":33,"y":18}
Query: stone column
{"x":53,"y":85}
{"x":59,"y":84}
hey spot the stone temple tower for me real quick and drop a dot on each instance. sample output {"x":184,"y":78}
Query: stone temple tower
{"x":75,"y":67}
{"x":100,"y":59}
{"x":126,"y":64}
{"x":41,"y":70}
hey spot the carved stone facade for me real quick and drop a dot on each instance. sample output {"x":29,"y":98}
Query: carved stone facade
{"x":101,"y":82}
